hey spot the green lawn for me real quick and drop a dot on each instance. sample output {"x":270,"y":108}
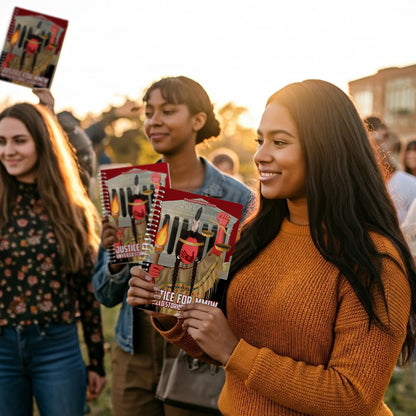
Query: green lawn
{"x":102,"y":405}
{"x":400,"y":395}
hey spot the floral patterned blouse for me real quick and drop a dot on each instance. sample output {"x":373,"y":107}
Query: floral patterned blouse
{"x":33,"y":289}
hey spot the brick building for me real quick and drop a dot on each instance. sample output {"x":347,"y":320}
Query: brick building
{"x":391,"y":95}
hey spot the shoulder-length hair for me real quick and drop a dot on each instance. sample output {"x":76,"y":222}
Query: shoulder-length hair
{"x":184,"y":90}
{"x":346,"y":195}
{"x":73,"y":215}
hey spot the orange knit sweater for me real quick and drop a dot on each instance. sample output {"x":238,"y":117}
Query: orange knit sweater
{"x":305,"y":347}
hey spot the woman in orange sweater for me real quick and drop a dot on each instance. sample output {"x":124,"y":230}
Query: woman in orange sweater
{"x":322,"y":287}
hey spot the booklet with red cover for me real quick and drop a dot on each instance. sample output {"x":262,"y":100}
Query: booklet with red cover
{"x":190,"y":246}
{"x":127,"y":196}
{"x":32,"y":48}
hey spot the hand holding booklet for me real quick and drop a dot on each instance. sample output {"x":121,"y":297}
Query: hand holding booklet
{"x":127,"y":197}
{"x":191,"y":241}
{"x":185,"y":241}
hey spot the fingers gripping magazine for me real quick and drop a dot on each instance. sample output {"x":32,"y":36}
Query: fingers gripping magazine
{"x":127,"y":196}
{"x":191,"y":241}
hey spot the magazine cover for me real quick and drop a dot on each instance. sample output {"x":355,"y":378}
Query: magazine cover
{"x":127,"y":195}
{"x":191,"y":241}
{"x":32,"y":47}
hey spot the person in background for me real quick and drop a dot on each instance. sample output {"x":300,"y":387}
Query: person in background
{"x":409,"y":158}
{"x":321,"y":300}
{"x":77,"y":137}
{"x":409,"y":223}
{"x":83,"y":147}
{"x":401,"y":185}
{"x":98,"y":135}
{"x":48,"y":244}
{"x":97,"y":131}
{"x":178,"y":116}
{"x":226,"y":160}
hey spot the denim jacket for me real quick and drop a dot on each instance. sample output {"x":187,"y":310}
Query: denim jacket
{"x":111,"y":289}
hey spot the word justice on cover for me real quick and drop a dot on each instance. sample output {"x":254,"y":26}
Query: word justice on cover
{"x":129,"y":250}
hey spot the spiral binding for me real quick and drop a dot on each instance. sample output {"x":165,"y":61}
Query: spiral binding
{"x":104,"y":197}
{"x":12,"y":27}
{"x":153,"y":224}
{"x":106,"y":208}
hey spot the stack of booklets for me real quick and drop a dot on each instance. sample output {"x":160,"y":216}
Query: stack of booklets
{"x":184,"y":240}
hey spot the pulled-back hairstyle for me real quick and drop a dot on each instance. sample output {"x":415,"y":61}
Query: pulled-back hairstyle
{"x":73,"y":216}
{"x":345,"y":192}
{"x":183,"y":90}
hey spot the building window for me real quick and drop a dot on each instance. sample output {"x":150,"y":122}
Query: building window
{"x":400,"y":96}
{"x":364,"y":102}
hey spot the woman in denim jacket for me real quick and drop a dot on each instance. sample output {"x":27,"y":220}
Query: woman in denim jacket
{"x":179,"y":115}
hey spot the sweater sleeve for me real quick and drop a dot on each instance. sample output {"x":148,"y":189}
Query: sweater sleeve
{"x":361,"y":361}
{"x":176,"y":335}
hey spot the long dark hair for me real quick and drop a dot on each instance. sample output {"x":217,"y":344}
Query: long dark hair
{"x":183,"y":90}
{"x":70,"y":210}
{"x":346,"y":196}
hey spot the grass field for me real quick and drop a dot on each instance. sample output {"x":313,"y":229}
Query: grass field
{"x":102,"y":405}
{"x":400,"y":395}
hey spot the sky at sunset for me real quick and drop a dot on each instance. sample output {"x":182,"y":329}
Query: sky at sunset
{"x":239,"y":50}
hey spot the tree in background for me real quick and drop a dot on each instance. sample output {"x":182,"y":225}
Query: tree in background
{"x":235,"y":136}
{"x":126,"y":141}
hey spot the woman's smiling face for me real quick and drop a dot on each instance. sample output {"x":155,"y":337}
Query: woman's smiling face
{"x":279,"y":157}
{"x":170,"y":127}
{"x":18,"y":150}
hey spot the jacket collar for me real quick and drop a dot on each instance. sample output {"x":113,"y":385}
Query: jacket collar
{"x":214,"y":182}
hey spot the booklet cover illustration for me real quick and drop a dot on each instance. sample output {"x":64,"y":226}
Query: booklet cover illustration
{"x":191,"y":241}
{"x":32,"y":48}
{"x":127,"y":195}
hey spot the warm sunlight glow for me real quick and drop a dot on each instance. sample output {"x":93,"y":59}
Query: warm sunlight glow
{"x":242,"y":60}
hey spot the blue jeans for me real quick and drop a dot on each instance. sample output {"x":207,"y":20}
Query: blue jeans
{"x":44,"y":362}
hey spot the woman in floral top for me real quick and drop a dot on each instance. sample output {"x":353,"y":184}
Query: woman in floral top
{"x":48,"y":243}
